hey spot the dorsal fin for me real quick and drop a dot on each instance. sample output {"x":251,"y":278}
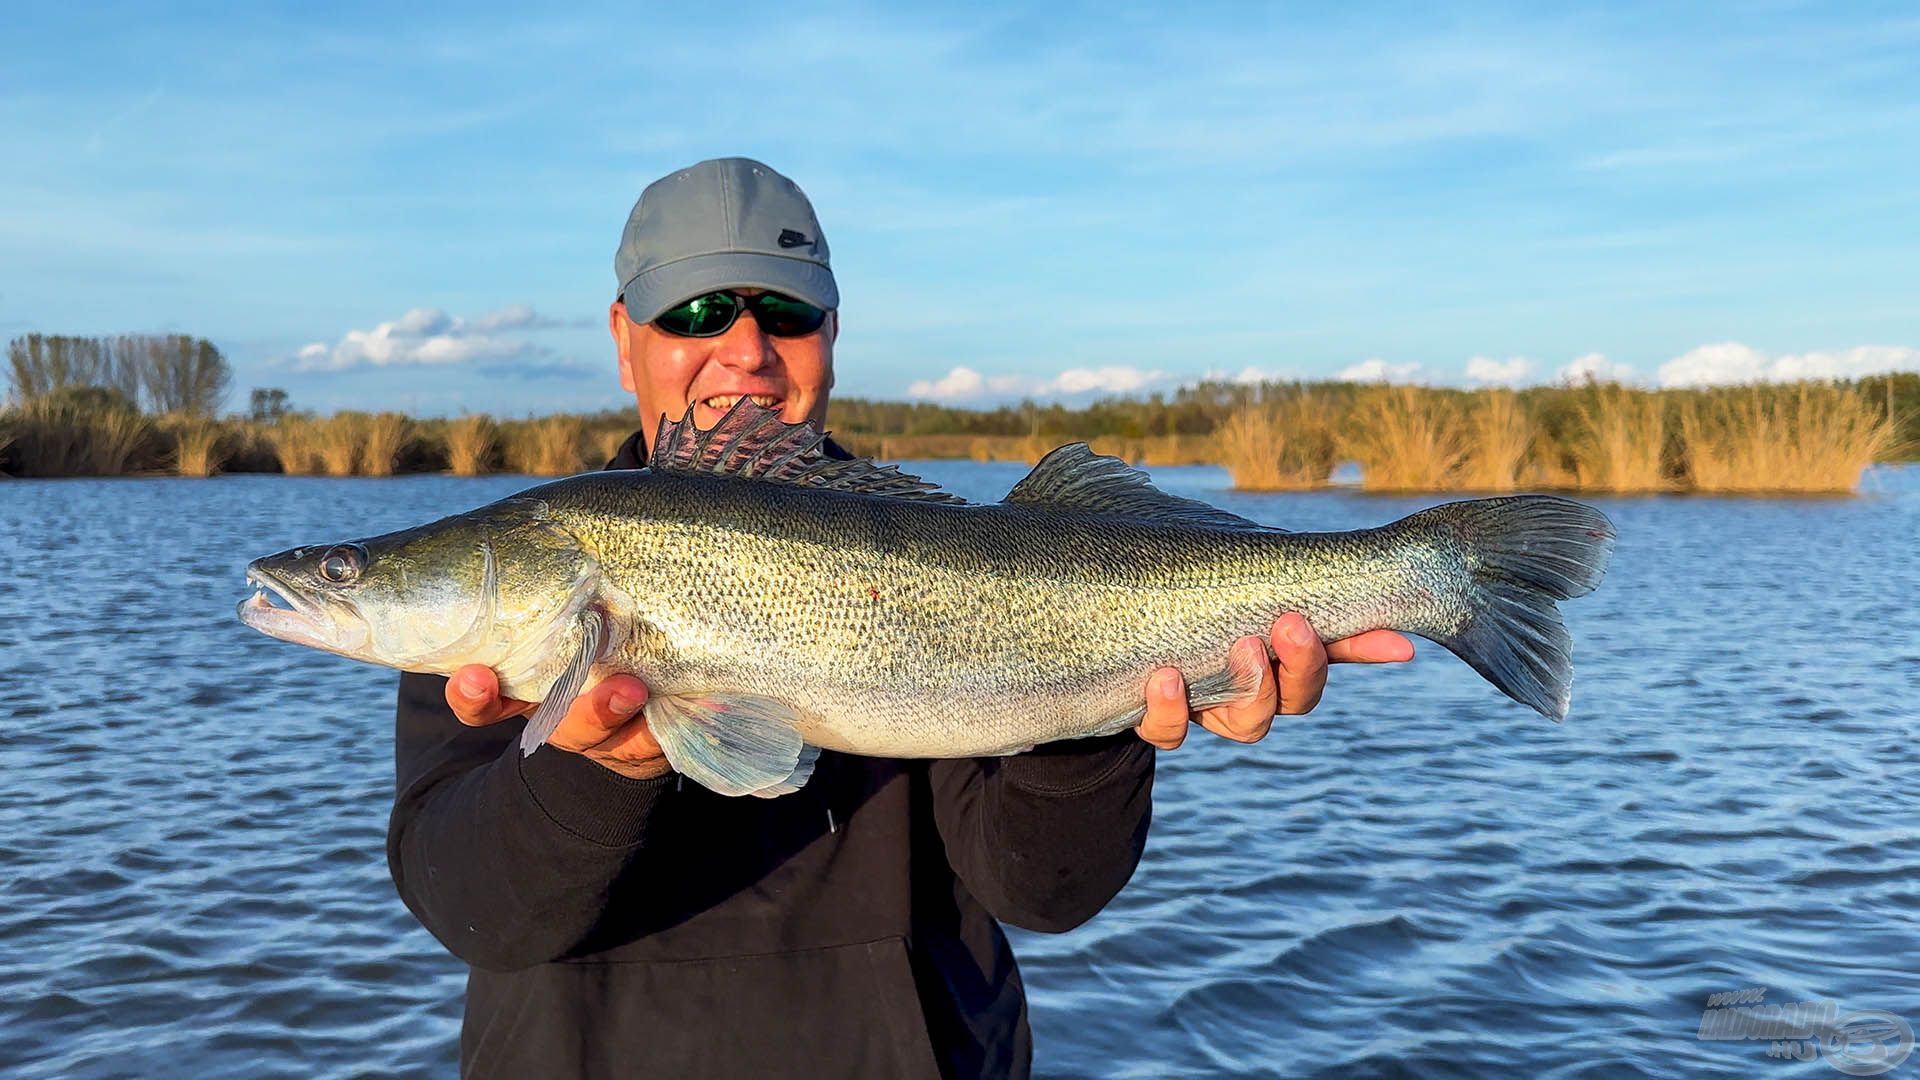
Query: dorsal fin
{"x":751,"y":442}
{"x":1075,"y":479}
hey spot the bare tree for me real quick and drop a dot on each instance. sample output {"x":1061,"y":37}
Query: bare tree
{"x":180,"y":374}
{"x":266,"y":403}
{"x":42,"y":364}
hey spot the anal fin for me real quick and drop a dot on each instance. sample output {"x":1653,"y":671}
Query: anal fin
{"x":735,"y":744}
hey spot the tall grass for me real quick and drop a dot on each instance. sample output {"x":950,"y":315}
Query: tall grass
{"x":549,"y":446}
{"x":296,"y":443}
{"x":1810,"y":437}
{"x":1619,"y":440}
{"x":200,"y":447}
{"x":606,"y":443}
{"x":470,"y":444}
{"x":81,"y":434}
{"x":1499,"y":435}
{"x":338,"y":440}
{"x":383,"y":436}
{"x":1806,"y":438}
{"x":1406,"y":439}
{"x":1283,"y":443}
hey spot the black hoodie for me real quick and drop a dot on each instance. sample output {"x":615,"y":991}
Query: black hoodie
{"x":622,"y":927}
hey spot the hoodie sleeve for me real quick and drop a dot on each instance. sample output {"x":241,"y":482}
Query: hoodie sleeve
{"x":1047,"y":838}
{"x":507,"y":860}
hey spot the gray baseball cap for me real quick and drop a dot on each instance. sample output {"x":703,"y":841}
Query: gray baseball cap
{"x":720,"y":224}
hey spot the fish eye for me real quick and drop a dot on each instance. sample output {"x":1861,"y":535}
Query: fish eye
{"x":343,"y":562}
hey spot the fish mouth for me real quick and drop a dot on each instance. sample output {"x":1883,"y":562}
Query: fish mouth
{"x":296,"y":618}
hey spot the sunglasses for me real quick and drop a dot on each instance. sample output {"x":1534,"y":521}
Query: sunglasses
{"x":713,"y":314}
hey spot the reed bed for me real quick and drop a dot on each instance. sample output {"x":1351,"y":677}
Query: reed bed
{"x":1500,"y":434}
{"x":1807,"y":438}
{"x":296,"y":445}
{"x":1791,"y":438}
{"x":548,"y":446}
{"x":1406,"y":438}
{"x":80,"y":435}
{"x":382,"y":437}
{"x":471,"y":441}
{"x":1283,"y":443}
{"x":339,"y":440}
{"x":200,"y":447}
{"x":1619,"y":442}
{"x":606,"y":444}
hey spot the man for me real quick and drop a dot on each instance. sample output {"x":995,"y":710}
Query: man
{"x":621,"y":923}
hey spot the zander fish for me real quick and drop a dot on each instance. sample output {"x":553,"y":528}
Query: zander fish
{"x":777,"y":599}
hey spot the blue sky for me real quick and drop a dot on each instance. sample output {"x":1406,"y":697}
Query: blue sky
{"x":1061,"y":203}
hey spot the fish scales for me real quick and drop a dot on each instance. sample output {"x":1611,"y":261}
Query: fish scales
{"x":900,"y":627}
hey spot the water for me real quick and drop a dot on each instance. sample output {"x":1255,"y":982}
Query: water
{"x":1418,"y":877}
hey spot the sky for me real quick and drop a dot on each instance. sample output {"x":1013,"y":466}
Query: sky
{"x":395,"y":207}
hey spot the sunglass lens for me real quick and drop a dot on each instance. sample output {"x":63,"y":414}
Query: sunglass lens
{"x":783,"y":316}
{"x":702,"y":316}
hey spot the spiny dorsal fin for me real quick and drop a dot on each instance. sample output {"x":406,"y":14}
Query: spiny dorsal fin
{"x":1075,"y":479}
{"x":751,"y":442}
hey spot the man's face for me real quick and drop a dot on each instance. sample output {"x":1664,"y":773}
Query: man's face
{"x":669,"y":374}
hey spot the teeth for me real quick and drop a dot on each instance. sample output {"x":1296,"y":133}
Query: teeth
{"x":728,"y":401}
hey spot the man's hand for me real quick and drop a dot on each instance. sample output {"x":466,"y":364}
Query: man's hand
{"x":603,"y":724}
{"x":1289,"y":686}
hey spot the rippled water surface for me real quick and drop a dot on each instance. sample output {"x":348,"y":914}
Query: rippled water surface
{"x":1419,"y":877}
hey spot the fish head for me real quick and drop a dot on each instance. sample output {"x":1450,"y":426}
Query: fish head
{"x":497,"y":586}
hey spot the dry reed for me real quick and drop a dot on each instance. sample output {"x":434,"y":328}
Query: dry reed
{"x":296,"y":443}
{"x":338,"y":440}
{"x":1406,"y":439}
{"x":200,"y":447}
{"x":549,"y":446}
{"x":383,"y":436}
{"x":470,"y":444}
{"x":80,"y":435}
{"x":1280,"y":444}
{"x":1619,"y":440}
{"x":1809,"y":438}
{"x":607,"y":442}
{"x":1499,"y":435}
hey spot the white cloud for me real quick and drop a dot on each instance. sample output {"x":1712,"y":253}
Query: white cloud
{"x":959,"y":384}
{"x":427,"y":336}
{"x":966,"y":384}
{"x":1732,"y":362}
{"x":1488,"y":370}
{"x":1594,"y":367}
{"x":1117,"y":379}
{"x":1376,"y":370}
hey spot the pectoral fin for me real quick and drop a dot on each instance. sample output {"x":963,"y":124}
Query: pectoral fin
{"x":736,"y":744}
{"x":593,"y":636}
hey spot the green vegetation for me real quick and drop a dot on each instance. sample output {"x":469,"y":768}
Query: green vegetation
{"x":107,"y":407}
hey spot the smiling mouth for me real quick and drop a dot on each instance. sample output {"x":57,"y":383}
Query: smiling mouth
{"x":723,"y":402}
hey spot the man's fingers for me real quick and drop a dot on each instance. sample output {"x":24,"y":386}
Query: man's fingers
{"x":1249,"y":719}
{"x":598,"y":713}
{"x":1302,"y":664}
{"x":1372,"y":647}
{"x":473,"y":693}
{"x":1165,"y":724}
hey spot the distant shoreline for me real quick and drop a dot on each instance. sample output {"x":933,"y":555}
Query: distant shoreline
{"x":1809,"y":437}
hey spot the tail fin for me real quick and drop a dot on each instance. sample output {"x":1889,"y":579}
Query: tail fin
{"x":1523,"y":553}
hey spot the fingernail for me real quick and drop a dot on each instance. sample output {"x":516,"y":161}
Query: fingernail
{"x":1297,"y":631}
{"x":624,"y":702}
